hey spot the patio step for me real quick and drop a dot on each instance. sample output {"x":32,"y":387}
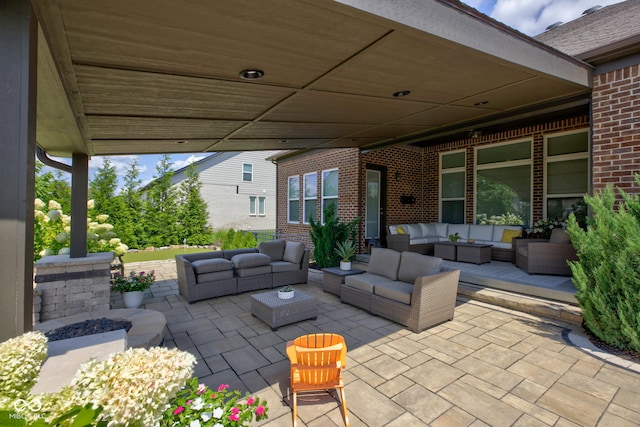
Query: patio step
{"x":533,"y":305}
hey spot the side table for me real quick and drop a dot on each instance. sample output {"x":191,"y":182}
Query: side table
{"x":277,"y":312}
{"x":333,"y":278}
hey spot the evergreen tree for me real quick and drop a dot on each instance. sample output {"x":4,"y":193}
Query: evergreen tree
{"x":102,"y":189}
{"x":52,"y":186}
{"x":161,"y":221}
{"x":132,"y":229}
{"x":607,"y":273}
{"x":193,"y":214}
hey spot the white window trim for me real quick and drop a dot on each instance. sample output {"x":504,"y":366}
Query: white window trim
{"x":322,"y":196}
{"x":255,"y":199}
{"x":305,"y":219}
{"x":243,"y":172}
{"x":452,"y":170}
{"x":512,"y":163}
{"x":262,"y":212}
{"x":289,"y":200}
{"x":562,"y":158}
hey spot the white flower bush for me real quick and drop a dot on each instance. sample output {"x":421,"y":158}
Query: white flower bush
{"x":52,"y":231}
{"x":21,"y":360}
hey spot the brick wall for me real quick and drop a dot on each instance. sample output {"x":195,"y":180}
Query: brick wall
{"x":616,"y":128}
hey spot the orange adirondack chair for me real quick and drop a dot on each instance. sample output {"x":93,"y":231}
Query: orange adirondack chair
{"x":317,"y":361}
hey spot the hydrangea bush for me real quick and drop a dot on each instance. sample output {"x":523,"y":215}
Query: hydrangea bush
{"x":199,"y":406}
{"x":21,"y":358}
{"x":52,"y":230}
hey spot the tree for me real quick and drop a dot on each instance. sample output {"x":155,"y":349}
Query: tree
{"x":194,"y":227}
{"x":102,"y":190}
{"x":326,"y":236}
{"x":607,"y":273}
{"x":132,"y":228}
{"x":161,"y":221}
{"x":52,"y":186}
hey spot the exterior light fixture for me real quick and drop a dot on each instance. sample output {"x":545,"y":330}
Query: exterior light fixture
{"x":182,"y":141}
{"x":251,"y":74}
{"x":401,"y":93}
{"x":475,"y":133}
{"x":479,"y":103}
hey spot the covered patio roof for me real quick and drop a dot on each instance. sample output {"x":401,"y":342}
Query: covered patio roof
{"x":148,"y":76}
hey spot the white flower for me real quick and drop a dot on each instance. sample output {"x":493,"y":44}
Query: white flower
{"x":121,"y":249}
{"x":218,"y":425}
{"x":92,"y":236}
{"x":64,"y":251}
{"x":218,"y":413}
{"x":115,"y":241}
{"x":53,"y":205}
{"x":195,"y":423}
{"x":62,"y":237}
{"x":91,"y":204}
{"x":39,"y":204}
{"x":206,"y":416}
{"x":102,"y":218}
{"x":54,"y":214}
{"x":46,"y":252}
{"x":197,"y":404}
{"x":39,"y":215}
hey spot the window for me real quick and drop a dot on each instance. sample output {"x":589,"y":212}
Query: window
{"x":247,"y":172}
{"x":329,"y":190}
{"x":566,"y":174}
{"x":294,"y":199}
{"x":503,"y":184}
{"x":261,"y":205}
{"x":452,"y":187}
{"x":310,"y":206}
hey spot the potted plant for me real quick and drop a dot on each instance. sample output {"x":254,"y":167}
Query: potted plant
{"x":132,"y":286}
{"x":286,"y":292}
{"x":346,"y":251}
{"x":454,"y":237}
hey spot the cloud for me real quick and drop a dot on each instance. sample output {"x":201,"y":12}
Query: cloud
{"x":121,"y":163}
{"x":532,"y":17}
{"x":179,"y":164}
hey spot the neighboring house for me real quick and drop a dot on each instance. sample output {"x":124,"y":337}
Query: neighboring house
{"x":239,"y":189}
{"x":541,"y":163}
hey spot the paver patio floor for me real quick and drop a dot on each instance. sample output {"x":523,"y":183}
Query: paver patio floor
{"x":489,"y":366}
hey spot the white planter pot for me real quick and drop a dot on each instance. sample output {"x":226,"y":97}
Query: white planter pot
{"x":132,"y":299}
{"x":345,"y":265}
{"x":285,"y":295}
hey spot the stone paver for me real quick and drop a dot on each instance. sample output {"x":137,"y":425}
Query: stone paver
{"x":490,"y":366}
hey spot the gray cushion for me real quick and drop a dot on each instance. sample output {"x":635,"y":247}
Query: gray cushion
{"x":365,"y":281}
{"x":384,"y":262}
{"x":253,"y":271}
{"x":211,"y":265}
{"x":280,"y":266}
{"x":413,"y":265}
{"x":558,"y":235}
{"x":230,"y":253}
{"x":481,"y":232}
{"x":274,"y":248}
{"x":396,"y":291}
{"x":250,"y":260}
{"x":213,"y":277}
{"x":293,"y":252}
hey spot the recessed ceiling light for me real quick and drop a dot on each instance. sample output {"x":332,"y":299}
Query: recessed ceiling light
{"x":251,"y":74}
{"x":479,"y":103}
{"x":182,"y":141}
{"x":402,"y":93}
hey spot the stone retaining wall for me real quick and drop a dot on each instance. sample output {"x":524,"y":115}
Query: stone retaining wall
{"x":70,"y":286}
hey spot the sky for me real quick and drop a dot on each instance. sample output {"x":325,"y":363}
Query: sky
{"x":530,"y":17}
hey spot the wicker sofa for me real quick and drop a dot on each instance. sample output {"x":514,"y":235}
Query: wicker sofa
{"x":421,"y":237}
{"x":546,"y":256}
{"x":407,"y":288}
{"x":212,"y":274}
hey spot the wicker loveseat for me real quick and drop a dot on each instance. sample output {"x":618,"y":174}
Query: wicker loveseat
{"x":546,"y":256}
{"x":421,"y":237}
{"x":212,"y":274}
{"x":407,"y":288}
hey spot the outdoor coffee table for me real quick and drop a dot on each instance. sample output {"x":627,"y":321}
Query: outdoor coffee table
{"x":277,"y":312}
{"x":333,"y":278}
{"x":475,"y":253}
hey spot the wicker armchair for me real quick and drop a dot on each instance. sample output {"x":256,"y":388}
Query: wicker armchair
{"x":540,"y":256}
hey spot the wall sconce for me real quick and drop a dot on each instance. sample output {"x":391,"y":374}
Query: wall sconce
{"x":407,"y":200}
{"x":475,"y":134}
{"x":398,"y":176}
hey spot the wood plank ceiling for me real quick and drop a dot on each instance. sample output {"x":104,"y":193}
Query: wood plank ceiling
{"x":160,"y":76}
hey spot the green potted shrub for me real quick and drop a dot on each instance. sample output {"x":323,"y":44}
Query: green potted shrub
{"x":346,"y":251}
{"x":286,"y":292}
{"x":454,"y":237}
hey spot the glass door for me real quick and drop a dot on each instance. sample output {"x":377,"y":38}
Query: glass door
{"x":372,"y":209}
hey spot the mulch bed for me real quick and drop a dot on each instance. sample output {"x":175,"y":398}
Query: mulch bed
{"x":630,"y":355}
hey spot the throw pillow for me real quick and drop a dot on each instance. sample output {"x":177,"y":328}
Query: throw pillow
{"x":401,"y":230}
{"x":558,"y":235}
{"x":507,"y":235}
{"x":293,"y":252}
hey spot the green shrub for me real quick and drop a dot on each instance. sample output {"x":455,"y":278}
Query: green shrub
{"x":237,"y":240}
{"x":607,"y":273}
{"x":326,"y":236}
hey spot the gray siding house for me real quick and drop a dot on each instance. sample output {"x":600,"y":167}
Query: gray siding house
{"x":239,"y":189}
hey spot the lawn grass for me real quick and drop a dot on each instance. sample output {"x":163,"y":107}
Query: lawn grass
{"x":159,"y":255}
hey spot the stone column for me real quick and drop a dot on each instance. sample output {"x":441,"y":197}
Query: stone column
{"x":70,"y":286}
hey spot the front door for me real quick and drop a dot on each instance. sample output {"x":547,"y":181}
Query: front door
{"x":375,"y":204}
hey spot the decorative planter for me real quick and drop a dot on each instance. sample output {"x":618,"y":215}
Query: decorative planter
{"x":345,"y":265}
{"x":132,"y":299}
{"x":285,"y":295}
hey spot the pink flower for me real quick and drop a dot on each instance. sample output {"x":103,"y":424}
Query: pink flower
{"x":213,"y":395}
{"x":189,"y":402}
{"x":260,"y":411}
{"x":223,"y":386}
{"x":250,"y":401}
{"x":201,"y":388}
{"x":234,"y":417}
{"x":178,"y":410}
{"x":235,"y":410}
